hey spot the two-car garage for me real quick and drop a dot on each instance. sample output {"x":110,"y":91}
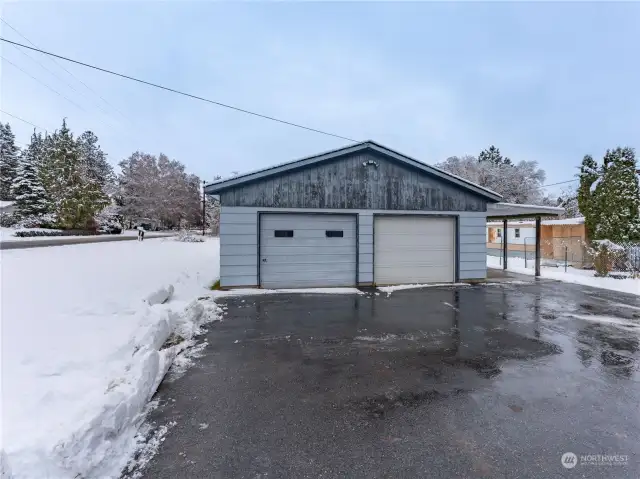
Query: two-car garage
{"x":361,"y":215}
{"x":321,"y":250}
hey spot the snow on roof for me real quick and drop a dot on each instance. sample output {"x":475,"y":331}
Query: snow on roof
{"x":512,"y":223}
{"x":505,"y":210}
{"x":4,"y":204}
{"x":566,"y":221}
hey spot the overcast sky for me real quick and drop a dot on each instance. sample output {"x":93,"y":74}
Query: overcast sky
{"x":542,"y":81}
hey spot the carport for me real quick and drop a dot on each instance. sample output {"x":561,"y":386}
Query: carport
{"x":507,"y":211}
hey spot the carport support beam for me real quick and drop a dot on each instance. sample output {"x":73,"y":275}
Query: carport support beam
{"x":538,"y":235}
{"x":504,"y":244}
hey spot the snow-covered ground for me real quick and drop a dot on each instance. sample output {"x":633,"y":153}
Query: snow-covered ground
{"x":573,"y":275}
{"x":81,"y":347}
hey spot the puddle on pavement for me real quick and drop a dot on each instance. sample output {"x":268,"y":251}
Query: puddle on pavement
{"x":379,"y":406}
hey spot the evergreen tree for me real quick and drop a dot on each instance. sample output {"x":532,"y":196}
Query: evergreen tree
{"x":94,"y":161}
{"x":492,"y":155}
{"x":8,"y":161}
{"x":589,"y":174}
{"x":30,"y":196}
{"x":76,"y":198}
{"x":617,"y":197}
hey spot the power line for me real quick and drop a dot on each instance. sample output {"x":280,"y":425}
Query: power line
{"x":155,"y":85}
{"x":23,"y":120}
{"x":42,"y":83}
{"x":57,"y":76}
{"x":59,"y":65}
{"x":561,"y":183}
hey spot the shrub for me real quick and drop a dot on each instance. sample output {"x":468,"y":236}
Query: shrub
{"x":7,"y":220}
{"x":187,"y":237}
{"x":34,"y":233}
{"x":607,"y":256}
{"x":41,"y":221}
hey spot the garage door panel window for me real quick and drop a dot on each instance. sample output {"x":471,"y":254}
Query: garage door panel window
{"x":334,"y":233}
{"x":283,"y":233}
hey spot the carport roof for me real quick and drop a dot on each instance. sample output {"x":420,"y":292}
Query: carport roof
{"x":512,"y":210}
{"x":219,"y":186}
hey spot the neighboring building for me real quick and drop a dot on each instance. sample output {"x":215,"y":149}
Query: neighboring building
{"x":359,"y":215}
{"x":557,"y":237}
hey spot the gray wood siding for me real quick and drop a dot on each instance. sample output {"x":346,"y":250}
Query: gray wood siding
{"x":348,"y":183}
{"x":239,"y":247}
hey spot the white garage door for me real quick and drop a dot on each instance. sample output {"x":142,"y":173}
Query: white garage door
{"x":412,"y":249}
{"x":304,"y":251}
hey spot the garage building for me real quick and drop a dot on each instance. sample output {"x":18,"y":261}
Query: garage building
{"x":357,"y":216}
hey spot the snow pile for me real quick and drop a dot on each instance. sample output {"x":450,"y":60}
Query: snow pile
{"x":573,"y":275}
{"x":83,"y":350}
{"x":160,"y":296}
{"x":188,"y":237}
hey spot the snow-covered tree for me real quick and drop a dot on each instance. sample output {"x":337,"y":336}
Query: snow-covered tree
{"x":517,"y":183}
{"x":492,"y":155}
{"x":76,"y":196}
{"x":589,"y":175}
{"x":31,"y":199}
{"x":94,"y":162}
{"x":618,"y":197}
{"x":8,"y":161}
{"x":568,"y":200}
{"x":159,"y":189}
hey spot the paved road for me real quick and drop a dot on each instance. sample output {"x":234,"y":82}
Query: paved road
{"x":68,"y":240}
{"x":479,"y":381}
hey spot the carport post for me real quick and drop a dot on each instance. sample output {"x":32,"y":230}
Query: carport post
{"x":538,"y":234}
{"x":504,"y":244}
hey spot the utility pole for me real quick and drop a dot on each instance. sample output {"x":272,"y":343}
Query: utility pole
{"x":204,"y":200}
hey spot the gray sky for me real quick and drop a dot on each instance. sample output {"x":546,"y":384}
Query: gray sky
{"x":543,"y":81}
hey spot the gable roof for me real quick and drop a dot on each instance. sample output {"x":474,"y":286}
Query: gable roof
{"x":221,"y":185}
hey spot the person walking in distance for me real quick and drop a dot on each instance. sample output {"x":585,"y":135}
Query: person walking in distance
{"x":141,"y":233}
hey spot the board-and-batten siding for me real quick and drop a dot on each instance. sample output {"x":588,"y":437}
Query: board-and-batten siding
{"x":239,"y":243}
{"x":362,"y":180}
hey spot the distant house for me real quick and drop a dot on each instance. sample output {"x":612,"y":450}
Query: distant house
{"x":557,"y":236}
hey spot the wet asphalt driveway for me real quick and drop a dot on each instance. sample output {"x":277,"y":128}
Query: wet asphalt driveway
{"x":471,"y":381}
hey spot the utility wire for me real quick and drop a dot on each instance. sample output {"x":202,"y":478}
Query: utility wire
{"x":42,"y":83}
{"x":560,"y":183}
{"x":135,"y":140}
{"x":23,"y":120}
{"x":58,"y":77}
{"x":155,"y":85}
{"x":55,"y":62}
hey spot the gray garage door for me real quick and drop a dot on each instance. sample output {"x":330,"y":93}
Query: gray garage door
{"x":413,"y":249}
{"x":305,"y":251}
